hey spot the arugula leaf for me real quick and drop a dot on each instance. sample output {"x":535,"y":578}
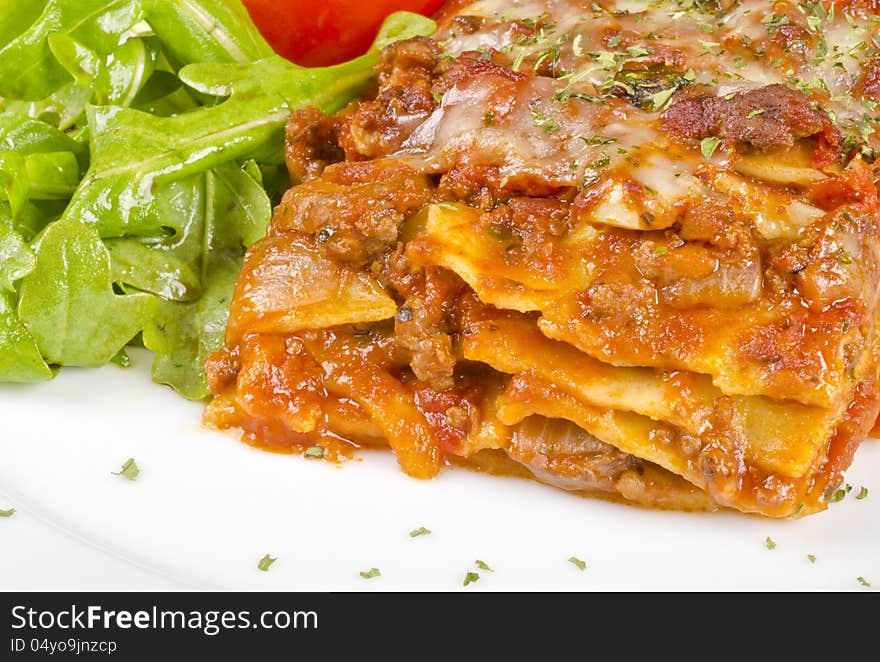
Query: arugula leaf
{"x":115,"y":78}
{"x":28,"y":68}
{"x":18,"y":16}
{"x":68,"y":303}
{"x":33,"y":216}
{"x":206,"y":31}
{"x":16,"y":259}
{"x":133,"y":153}
{"x":14,"y":183}
{"x":150,"y":269}
{"x":237,"y":212}
{"x":22,"y":134}
{"x":63,"y":109}
{"x":182,"y":335}
{"x":20,"y":358}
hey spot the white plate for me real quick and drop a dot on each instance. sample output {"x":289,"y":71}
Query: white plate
{"x":206,"y":508}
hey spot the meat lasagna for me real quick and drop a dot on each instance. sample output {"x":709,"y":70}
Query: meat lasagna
{"x":623,"y":247}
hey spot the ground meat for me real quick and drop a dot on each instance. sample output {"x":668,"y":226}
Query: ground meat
{"x":312,"y":144}
{"x":529,"y":230}
{"x":617,"y":303}
{"x":826,"y":262}
{"x":453,"y":411}
{"x":472,"y":184}
{"x":422,"y":329}
{"x":405,"y":99}
{"x":768,"y":119}
{"x":869,"y":85}
{"x":712,"y":221}
{"x":355,"y":210}
{"x":794,"y":39}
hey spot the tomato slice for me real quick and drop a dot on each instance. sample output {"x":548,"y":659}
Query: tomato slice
{"x":321,"y":32}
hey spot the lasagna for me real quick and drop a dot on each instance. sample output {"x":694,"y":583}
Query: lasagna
{"x":626,"y":248}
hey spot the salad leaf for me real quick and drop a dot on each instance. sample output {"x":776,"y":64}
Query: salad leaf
{"x":52,"y":176}
{"x":20,"y":358}
{"x":145,"y":268}
{"x":116,"y":78}
{"x":68,"y":303}
{"x":62,"y":109}
{"x":25,"y":135}
{"x":18,"y":16}
{"x":239,"y":209}
{"x":134,"y":152}
{"x":183,"y":334}
{"x":16,"y":259}
{"x":28,"y":68}
{"x":14,"y":184}
{"x":206,"y":31}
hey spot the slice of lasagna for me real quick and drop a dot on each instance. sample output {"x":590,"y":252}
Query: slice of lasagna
{"x":623,"y":247}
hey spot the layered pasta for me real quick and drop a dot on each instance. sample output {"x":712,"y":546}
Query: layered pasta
{"x":626,"y":248}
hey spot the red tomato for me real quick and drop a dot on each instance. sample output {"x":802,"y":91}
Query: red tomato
{"x":320,"y":32}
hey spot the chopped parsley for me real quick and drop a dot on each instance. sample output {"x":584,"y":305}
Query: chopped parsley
{"x":314,"y":451}
{"x":470,"y":578}
{"x":482,"y":565}
{"x":863,"y":581}
{"x":709,"y":145}
{"x":129,"y":471}
{"x":266,"y":562}
{"x":544,"y":121}
{"x":769,"y":543}
{"x":811,"y":558}
{"x":660,"y":100}
{"x":421,"y":531}
{"x":598,"y":140}
{"x":7,"y":513}
{"x":755,"y":113}
{"x":863,"y":493}
{"x":371,"y":573}
{"x":660,"y":250}
{"x":582,"y":565}
{"x":837,"y":495}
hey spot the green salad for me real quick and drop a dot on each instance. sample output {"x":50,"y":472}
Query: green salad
{"x":141,"y":152}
